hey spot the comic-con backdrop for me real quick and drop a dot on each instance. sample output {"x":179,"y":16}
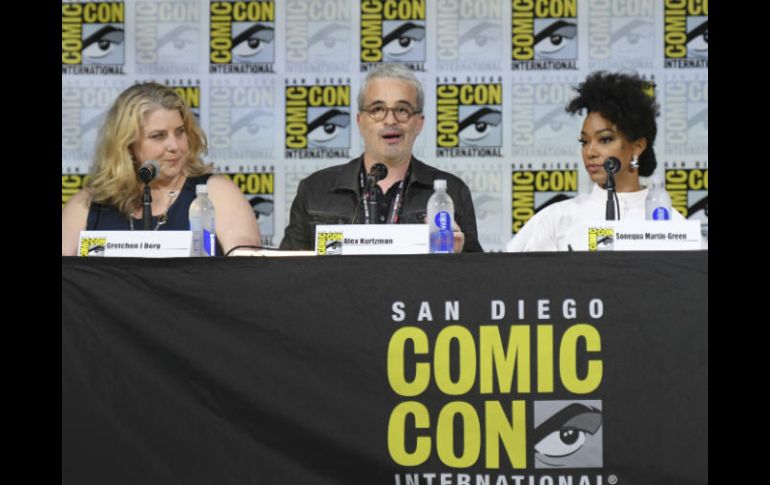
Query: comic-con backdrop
{"x":274,"y":83}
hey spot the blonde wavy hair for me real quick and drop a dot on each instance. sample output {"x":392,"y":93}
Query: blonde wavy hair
{"x":114,"y":180}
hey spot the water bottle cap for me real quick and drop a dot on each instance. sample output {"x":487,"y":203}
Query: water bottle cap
{"x":439,"y":184}
{"x":201,"y":189}
{"x":656,"y":179}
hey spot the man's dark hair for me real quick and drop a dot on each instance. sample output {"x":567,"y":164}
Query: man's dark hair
{"x":621,"y":99}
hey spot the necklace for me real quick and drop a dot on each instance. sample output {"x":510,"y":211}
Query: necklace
{"x":163,"y":218}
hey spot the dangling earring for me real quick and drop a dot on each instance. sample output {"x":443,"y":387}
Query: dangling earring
{"x":634,"y":163}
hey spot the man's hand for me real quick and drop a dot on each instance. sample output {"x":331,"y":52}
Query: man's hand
{"x":459,"y":237}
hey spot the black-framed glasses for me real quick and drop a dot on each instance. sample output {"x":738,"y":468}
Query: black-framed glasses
{"x":402,"y":112}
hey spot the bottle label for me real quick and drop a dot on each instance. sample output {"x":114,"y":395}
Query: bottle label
{"x":209,"y":243}
{"x":660,"y":214}
{"x":442,"y":241}
{"x":443,"y":221}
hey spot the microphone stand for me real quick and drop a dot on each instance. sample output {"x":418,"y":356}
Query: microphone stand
{"x":146,"y":207}
{"x":610,"y":212}
{"x":371,"y":202}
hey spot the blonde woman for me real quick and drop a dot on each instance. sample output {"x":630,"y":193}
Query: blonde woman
{"x":149,"y":121}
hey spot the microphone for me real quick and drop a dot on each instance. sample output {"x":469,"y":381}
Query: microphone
{"x":148,"y":171}
{"x":612,"y":165}
{"x":378,"y":172}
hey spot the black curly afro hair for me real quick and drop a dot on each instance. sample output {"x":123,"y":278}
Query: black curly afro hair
{"x":621,"y":99}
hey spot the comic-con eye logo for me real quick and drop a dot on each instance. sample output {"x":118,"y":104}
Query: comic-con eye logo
{"x":686,"y":117}
{"x":329,"y":243}
{"x":259,"y":190}
{"x":318,"y":121}
{"x":242,"y":35}
{"x":167,"y":36}
{"x":241,"y":118}
{"x":71,"y":184}
{"x":621,"y":32}
{"x":534,"y":190}
{"x":469,"y":117}
{"x":544,"y":34}
{"x":393,"y":31}
{"x":92,"y":38}
{"x":92,"y":246}
{"x":689,"y":191}
{"x":686,"y":33}
{"x":469,"y":33}
{"x":190,"y":92}
{"x":568,"y":434}
{"x":601,"y":239}
{"x":541,"y":126}
{"x":318,"y":33}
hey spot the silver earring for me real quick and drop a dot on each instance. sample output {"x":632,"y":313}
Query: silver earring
{"x":634,"y":163}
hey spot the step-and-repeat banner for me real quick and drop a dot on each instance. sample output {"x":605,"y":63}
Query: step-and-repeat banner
{"x":274,"y":84}
{"x":309,"y":371}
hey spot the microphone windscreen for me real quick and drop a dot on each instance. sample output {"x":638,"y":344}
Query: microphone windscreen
{"x":612,"y":165}
{"x":149,"y":170}
{"x":379,"y":171}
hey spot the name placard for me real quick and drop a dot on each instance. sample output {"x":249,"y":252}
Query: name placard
{"x":136,"y":244}
{"x":349,"y":239}
{"x":643,"y":235}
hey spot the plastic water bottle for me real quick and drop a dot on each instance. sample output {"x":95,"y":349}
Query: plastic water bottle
{"x":202,"y":223}
{"x":440,"y":213}
{"x":657,"y":206}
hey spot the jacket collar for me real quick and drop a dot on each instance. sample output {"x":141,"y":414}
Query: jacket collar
{"x":347,"y":178}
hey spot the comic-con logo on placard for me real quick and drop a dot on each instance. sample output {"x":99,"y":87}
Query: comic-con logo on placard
{"x":329,"y":243}
{"x":469,"y":35}
{"x":167,"y":36}
{"x":393,"y":31}
{"x":92,"y":246}
{"x":686,"y":34}
{"x":539,"y":124}
{"x":241,"y":118}
{"x":534,"y":190}
{"x":258,"y":187}
{"x":685,"y":110}
{"x":688,"y":185}
{"x":190,"y":91}
{"x":242,"y":36}
{"x":621,"y":34}
{"x":92,"y":35}
{"x":84,"y":104}
{"x":317,"y":119}
{"x":601,"y":238}
{"x":469,"y":117}
{"x":544,"y":35}
{"x":318,"y":35}
{"x":71,"y":184}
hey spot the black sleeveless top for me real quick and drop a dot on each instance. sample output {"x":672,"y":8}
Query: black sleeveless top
{"x":102,"y":217}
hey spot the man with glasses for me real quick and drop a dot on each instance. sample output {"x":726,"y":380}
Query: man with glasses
{"x":390,"y":117}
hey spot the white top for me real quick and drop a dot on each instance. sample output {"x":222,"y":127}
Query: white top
{"x":561,"y":226}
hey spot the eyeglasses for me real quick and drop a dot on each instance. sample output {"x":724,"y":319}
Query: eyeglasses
{"x":402,"y":112}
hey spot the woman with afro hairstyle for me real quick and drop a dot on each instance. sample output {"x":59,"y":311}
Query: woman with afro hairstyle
{"x":620,"y":123}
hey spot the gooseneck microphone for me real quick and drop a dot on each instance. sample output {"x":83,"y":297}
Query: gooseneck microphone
{"x":378,"y":172}
{"x":611,"y":166}
{"x":147,"y":172}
